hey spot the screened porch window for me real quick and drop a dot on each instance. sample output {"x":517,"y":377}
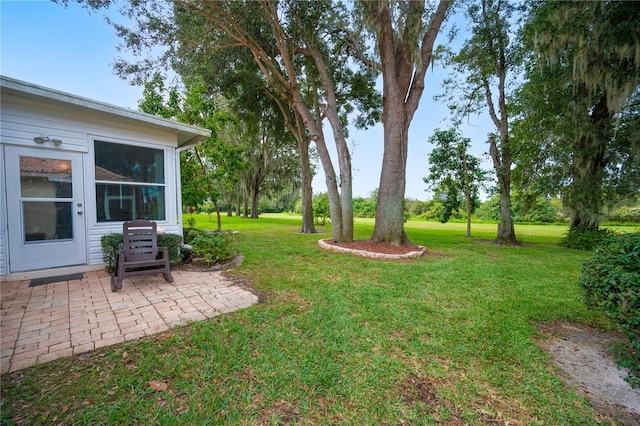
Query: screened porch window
{"x":130,"y":182}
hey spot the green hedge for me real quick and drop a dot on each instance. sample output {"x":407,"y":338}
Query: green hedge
{"x":610,"y":281}
{"x":112,"y":243}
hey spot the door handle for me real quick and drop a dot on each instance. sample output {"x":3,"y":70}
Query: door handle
{"x":79,"y":213}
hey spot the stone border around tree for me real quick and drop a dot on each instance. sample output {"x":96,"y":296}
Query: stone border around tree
{"x":371,"y":255}
{"x":198,"y":267}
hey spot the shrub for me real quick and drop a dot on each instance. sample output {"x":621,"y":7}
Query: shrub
{"x":626,"y":214}
{"x":363,"y":207}
{"x":173,"y":243}
{"x":112,"y":243}
{"x":610,"y":281}
{"x":191,"y":233}
{"x":214,"y":247}
{"x":490,"y":209}
{"x":585,"y":238}
{"x":434,"y":210}
{"x":417,"y":207}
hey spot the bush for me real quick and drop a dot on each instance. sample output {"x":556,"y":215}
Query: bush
{"x":417,"y":207}
{"x":626,"y":214}
{"x":112,"y":243}
{"x":364,"y":208}
{"x":214,"y":247}
{"x":433,"y":211}
{"x":610,"y":281}
{"x":173,"y":243}
{"x":585,"y":238}
{"x":191,"y":233}
{"x":490,"y":209}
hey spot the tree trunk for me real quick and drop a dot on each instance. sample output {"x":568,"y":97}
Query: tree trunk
{"x":344,"y":157}
{"x":218,"y":216}
{"x":389,"y":225}
{"x":315,"y":130}
{"x":255,"y":197}
{"x":229,"y":208}
{"x":335,"y":206}
{"x":585,"y":195}
{"x":295,"y":124}
{"x":587,"y":170}
{"x":306,"y":178}
{"x":245,"y":202}
{"x":506,"y":231}
{"x":403,"y":74}
{"x":279,"y":70}
{"x":467,"y":191}
{"x":502,"y":165}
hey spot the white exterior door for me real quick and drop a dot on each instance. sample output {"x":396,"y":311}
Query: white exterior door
{"x":45,"y":206}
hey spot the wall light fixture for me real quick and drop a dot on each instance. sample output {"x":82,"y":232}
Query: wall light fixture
{"x":40,"y":140}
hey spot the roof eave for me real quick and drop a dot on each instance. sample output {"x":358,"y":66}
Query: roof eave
{"x":187,"y":135}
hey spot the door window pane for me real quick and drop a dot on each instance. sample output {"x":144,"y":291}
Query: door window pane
{"x":47,"y":220}
{"x":45,"y":178}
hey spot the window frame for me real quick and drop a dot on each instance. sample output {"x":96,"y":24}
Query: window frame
{"x":168,"y":178}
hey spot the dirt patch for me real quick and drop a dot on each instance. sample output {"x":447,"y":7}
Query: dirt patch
{"x":418,"y":389}
{"x":581,"y":353}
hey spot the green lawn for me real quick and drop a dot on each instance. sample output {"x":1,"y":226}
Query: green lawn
{"x":447,"y":338}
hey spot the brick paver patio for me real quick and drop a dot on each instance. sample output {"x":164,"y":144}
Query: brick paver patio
{"x":43,"y":323}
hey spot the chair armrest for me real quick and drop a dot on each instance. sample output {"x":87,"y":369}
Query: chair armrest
{"x":164,"y":251}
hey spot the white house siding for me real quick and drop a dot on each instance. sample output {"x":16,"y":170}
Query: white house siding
{"x":3,"y":269}
{"x":22,"y":118}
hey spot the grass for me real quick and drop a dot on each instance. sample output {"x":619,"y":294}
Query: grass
{"x":447,"y":338}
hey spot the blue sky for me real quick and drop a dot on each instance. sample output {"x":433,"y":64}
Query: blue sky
{"x":72,"y":50}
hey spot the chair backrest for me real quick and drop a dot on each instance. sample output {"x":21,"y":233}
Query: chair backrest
{"x":140,"y":240}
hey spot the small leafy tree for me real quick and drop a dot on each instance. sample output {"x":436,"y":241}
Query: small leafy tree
{"x":321,"y":208}
{"x":482,"y":81}
{"x":455,"y":172}
{"x":208,"y":208}
{"x":210,"y":169}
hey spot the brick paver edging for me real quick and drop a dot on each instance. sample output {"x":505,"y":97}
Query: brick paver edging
{"x":371,"y":255}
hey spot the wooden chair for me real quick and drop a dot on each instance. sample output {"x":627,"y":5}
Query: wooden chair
{"x":140,"y":253}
